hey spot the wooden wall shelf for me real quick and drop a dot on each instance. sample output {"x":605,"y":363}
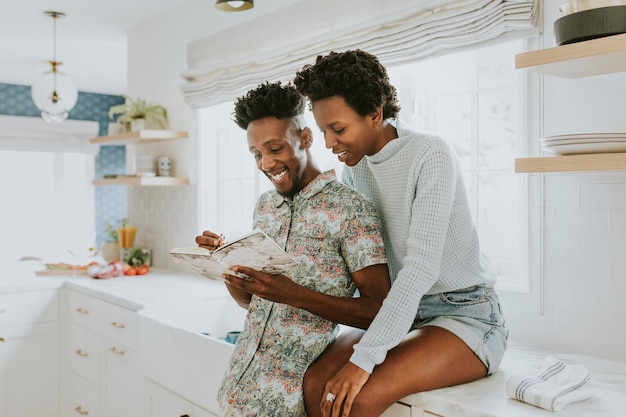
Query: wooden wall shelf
{"x":572,"y":163}
{"x":143,"y":181}
{"x":581,"y":59}
{"x":139,"y":136}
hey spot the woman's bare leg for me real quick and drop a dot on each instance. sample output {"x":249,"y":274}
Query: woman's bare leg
{"x":427,"y":359}
{"x":326,"y":365}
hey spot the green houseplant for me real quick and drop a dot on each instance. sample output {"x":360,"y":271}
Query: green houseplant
{"x":154,"y":116}
{"x":110,"y":249}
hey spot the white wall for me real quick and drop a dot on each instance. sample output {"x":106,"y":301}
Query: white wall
{"x":583,"y":284}
{"x":157,"y":55}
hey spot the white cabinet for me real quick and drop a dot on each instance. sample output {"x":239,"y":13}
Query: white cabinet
{"x":163,"y":403}
{"x":100,"y":359}
{"x":29,"y":367}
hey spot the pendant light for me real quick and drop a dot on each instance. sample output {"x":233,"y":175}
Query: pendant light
{"x":54,"y":93}
{"x":234,"y":5}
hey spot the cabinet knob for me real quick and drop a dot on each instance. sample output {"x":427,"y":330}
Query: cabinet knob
{"x":115,"y":350}
{"x":80,"y":352}
{"x":2,"y":311}
{"x":1,"y":339}
{"x":118,"y":325}
{"x":82,"y":310}
{"x":185,"y":415}
{"x":80,"y":411}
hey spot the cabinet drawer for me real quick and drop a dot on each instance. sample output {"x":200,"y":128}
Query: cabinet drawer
{"x":83,"y":309}
{"x":83,"y":352}
{"x":120,"y":325}
{"x":28,"y":307}
{"x":83,"y":398}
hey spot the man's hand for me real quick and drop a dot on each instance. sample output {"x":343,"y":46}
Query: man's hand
{"x":273,"y":287}
{"x":210,"y":240}
{"x":342,"y":389}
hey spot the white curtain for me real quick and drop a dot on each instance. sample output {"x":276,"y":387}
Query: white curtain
{"x":273,"y":47}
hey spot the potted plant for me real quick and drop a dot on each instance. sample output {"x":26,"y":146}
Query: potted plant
{"x":136,"y":114}
{"x":110,"y":249}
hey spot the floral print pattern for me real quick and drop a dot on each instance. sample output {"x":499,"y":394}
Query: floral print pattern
{"x":331,"y":231}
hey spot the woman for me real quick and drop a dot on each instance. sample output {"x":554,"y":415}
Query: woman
{"x":441,"y":323}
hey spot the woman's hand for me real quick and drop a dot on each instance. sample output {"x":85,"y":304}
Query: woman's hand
{"x":342,"y":389}
{"x":210,"y":240}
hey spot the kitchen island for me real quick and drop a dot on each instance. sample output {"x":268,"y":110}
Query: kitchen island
{"x":172,"y":307}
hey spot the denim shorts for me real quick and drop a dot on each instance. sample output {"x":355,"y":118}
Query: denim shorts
{"x":474,"y":315}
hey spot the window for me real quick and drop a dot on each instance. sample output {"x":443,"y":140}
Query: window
{"x":472,"y":99}
{"x":47,"y":205}
{"x":227,"y":203}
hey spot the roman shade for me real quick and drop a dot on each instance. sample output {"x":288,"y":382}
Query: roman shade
{"x":226,"y":64}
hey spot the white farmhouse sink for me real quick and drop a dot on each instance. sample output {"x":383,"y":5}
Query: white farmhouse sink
{"x":177,"y":353}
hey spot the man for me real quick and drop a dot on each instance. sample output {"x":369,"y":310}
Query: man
{"x":332,"y":232}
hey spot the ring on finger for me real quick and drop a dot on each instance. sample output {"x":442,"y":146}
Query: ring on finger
{"x":330,"y":397}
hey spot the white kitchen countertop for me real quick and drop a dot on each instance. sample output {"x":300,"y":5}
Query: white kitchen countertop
{"x":482,"y":398}
{"x":487,"y":397}
{"x":157,"y":288}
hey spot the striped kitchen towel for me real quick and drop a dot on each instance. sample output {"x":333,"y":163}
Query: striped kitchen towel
{"x":553,"y":386}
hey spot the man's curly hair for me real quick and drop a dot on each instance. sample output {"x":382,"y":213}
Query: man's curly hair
{"x":356,"y":75}
{"x":268,"y":99}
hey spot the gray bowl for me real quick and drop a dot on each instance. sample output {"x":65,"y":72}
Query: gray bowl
{"x":590,"y":24}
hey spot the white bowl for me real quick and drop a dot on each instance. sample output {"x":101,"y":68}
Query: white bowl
{"x":573,"y":6}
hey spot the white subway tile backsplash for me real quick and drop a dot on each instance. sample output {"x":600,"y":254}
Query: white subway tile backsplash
{"x":617,"y":220}
{"x":586,"y":320}
{"x":562,"y":191}
{"x":564,"y":292}
{"x":605,"y":297}
{"x":607,"y":195}
{"x":166,"y":218}
{"x":583,"y":269}
{"x":617,"y":274}
{"x":583,"y":220}
{"x":611,"y":246}
{"x":564,"y":244}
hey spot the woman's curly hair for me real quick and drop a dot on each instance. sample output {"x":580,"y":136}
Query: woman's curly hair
{"x":356,"y":75}
{"x":268,"y":99}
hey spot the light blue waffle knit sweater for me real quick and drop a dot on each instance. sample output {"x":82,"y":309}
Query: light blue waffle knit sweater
{"x":416,"y":184}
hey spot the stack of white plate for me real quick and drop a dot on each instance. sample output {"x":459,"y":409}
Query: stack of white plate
{"x":584,"y":143}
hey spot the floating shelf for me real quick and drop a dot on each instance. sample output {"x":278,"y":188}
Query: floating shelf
{"x":571,"y":163}
{"x":143,"y":181}
{"x":139,"y":136}
{"x":581,"y":59}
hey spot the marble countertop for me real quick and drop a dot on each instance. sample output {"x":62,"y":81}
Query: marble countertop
{"x":482,"y":398}
{"x":487,"y":397}
{"x":157,"y":288}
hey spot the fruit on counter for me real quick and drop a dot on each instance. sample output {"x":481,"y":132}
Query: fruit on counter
{"x":136,"y":270}
{"x":112,"y":269}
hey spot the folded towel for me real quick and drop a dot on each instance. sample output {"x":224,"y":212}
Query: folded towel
{"x":552,"y":386}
